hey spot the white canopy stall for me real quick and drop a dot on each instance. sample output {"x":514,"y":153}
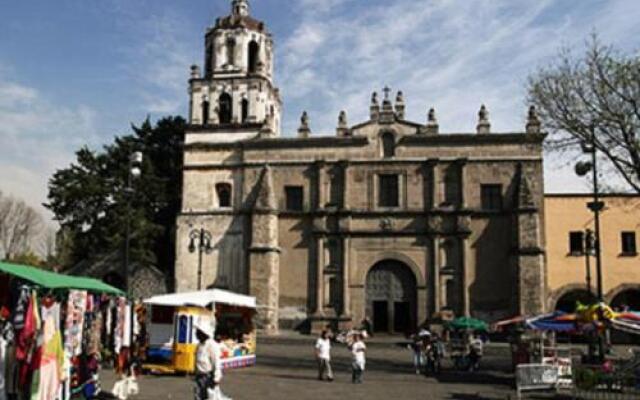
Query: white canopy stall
{"x":172,"y":339}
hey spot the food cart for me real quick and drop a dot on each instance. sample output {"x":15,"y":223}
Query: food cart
{"x":172,"y":335}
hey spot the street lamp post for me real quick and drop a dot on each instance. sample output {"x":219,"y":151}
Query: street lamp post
{"x":203,"y":239}
{"x":596,"y":206}
{"x":588,"y":247}
{"x":135,"y":161}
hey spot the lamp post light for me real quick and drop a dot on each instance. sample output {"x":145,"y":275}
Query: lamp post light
{"x":200,"y":239}
{"x":582,"y":168}
{"x":133,"y":172}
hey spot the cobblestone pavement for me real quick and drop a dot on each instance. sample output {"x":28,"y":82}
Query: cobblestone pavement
{"x":286,"y":370}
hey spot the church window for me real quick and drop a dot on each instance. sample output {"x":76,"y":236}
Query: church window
{"x":491,"y":197}
{"x":294,"y":197}
{"x":231,"y":51}
{"x":388,"y":145}
{"x":209,"y":61}
{"x":452,"y":186}
{"x":205,"y":112}
{"x":388,"y":190}
{"x":245,"y":110}
{"x":223,"y":190}
{"x":225,"y":108}
{"x":254,"y":50}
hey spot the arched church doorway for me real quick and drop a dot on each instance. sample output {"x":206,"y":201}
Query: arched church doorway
{"x":391,"y":297}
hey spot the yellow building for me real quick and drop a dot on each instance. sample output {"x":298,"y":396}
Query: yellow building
{"x":567,"y":221}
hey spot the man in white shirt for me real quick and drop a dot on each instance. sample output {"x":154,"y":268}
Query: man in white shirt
{"x":323,"y":355}
{"x":207,"y":363}
{"x":358,"y":349}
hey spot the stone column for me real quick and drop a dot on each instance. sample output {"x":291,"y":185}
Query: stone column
{"x":466,"y":266}
{"x":435,"y":270}
{"x":321,"y":184}
{"x":345,"y":184}
{"x":346,"y":301}
{"x":264,"y":254}
{"x":462,"y":165}
{"x":320,"y":263}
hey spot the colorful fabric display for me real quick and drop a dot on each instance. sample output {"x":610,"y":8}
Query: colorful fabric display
{"x":3,"y":356}
{"x":48,"y":361}
{"x":76,"y":307}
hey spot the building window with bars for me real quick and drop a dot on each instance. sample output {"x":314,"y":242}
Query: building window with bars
{"x":388,"y":190}
{"x":491,"y":197}
{"x":223,"y":191}
{"x":294,"y":198}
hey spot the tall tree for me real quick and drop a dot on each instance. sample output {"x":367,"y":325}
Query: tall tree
{"x":21,"y":227}
{"x":598,"y":92}
{"x":89,"y":198}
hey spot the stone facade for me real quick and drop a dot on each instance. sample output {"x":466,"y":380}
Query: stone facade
{"x":388,"y":219}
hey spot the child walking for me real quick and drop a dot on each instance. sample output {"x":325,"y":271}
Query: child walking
{"x":358,"y":349}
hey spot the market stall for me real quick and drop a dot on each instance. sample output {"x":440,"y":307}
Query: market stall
{"x":172,"y":336}
{"x":53,"y":331}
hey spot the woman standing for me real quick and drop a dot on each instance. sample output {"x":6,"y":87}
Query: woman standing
{"x":358,"y":349}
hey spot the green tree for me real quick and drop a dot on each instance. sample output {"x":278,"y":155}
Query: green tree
{"x":599,"y":92}
{"x":89,"y":198}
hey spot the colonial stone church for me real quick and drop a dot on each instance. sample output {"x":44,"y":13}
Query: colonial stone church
{"x":387,"y":218}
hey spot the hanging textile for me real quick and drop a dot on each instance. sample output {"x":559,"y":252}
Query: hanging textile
{"x":126,"y":332}
{"x":76,"y":306}
{"x":48,"y":363}
{"x":21,"y":308}
{"x":122,"y":325}
{"x":3,"y":359}
{"x":26,"y":341}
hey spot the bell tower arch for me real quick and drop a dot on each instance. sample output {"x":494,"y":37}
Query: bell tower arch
{"x":238,"y":76}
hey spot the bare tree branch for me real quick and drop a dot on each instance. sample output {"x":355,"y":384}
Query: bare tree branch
{"x":600,"y":93}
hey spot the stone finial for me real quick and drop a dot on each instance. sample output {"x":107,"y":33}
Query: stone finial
{"x":484,"y":126}
{"x":432,"y":127}
{"x":533,"y":122}
{"x":304,"y":130}
{"x":387,"y":115}
{"x":240,"y":8}
{"x":400,"y":105}
{"x":195,"y":72}
{"x":343,"y":127}
{"x":374,"y":109}
{"x":342,"y":119}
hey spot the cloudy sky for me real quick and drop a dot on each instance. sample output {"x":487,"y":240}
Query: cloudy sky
{"x":75,"y":72}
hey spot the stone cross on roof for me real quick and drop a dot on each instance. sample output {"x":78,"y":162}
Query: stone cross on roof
{"x":386,"y":91}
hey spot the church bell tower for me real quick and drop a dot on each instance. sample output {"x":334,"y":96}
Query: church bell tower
{"x":235,"y":92}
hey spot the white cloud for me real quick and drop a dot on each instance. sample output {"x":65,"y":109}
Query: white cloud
{"x":158,"y":60}
{"x":453,"y":55}
{"x":37,"y":136}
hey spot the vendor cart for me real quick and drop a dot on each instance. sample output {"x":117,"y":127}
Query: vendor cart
{"x":172,"y":333}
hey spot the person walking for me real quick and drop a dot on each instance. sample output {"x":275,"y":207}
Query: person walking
{"x":475,"y":352}
{"x":323,"y":355}
{"x":418,"y":357}
{"x":358,"y":349}
{"x":206,"y":360}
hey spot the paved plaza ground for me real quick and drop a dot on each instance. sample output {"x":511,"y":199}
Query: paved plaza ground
{"x":286,"y":370}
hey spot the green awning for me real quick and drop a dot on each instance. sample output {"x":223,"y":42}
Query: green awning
{"x":466,"y":323}
{"x":52,"y":280}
